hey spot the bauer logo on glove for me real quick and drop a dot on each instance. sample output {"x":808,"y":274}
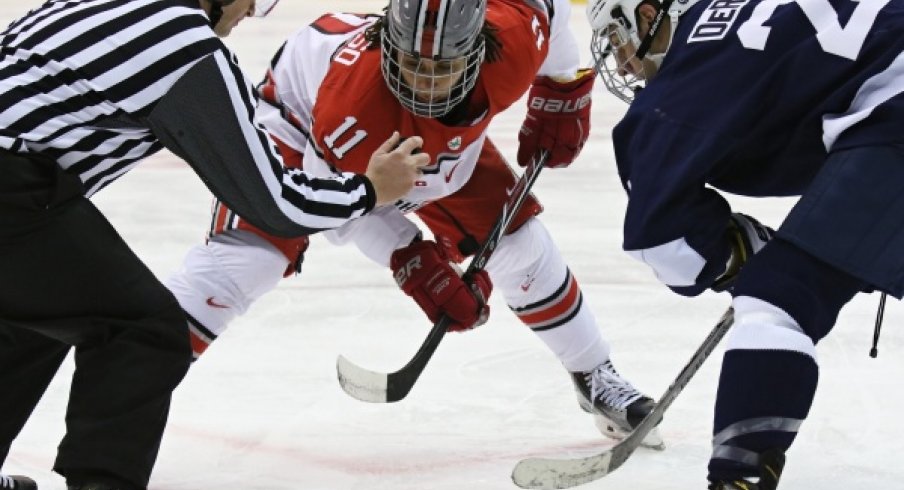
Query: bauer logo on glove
{"x":422,"y":271}
{"x":558,"y":119}
{"x":558,"y":105}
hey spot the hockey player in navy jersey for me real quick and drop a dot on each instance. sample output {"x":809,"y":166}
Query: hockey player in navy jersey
{"x":761,"y":98}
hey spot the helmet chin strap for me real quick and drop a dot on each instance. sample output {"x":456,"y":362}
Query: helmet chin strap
{"x":655,"y":25}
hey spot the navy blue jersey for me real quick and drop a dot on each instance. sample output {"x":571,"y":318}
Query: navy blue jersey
{"x":750,"y":98}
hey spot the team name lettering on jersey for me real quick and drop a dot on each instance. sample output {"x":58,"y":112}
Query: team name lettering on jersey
{"x":350,"y":53}
{"x":716,"y":20}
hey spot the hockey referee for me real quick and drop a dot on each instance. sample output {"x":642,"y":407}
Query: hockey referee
{"x":88,"y":88}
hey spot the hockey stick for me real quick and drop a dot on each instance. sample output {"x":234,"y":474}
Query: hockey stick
{"x":372,"y":386}
{"x":565,"y":473}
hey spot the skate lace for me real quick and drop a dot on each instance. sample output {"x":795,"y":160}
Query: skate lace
{"x":610,"y":388}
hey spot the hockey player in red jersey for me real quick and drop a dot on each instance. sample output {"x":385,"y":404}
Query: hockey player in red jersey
{"x":441,"y":69}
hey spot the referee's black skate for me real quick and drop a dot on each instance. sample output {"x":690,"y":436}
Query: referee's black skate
{"x":101,"y":483}
{"x":617,"y":406}
{"x":733,"y":485}
{"x":95,"y":486}
{"x":97,"y":480}
{"x":17,"y":482}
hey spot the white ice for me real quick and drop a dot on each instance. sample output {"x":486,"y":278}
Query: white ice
{"x":262,"y":409}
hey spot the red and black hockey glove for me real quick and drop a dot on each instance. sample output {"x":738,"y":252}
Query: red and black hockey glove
{"x":558,"y":119}
{"x":424,"y":273}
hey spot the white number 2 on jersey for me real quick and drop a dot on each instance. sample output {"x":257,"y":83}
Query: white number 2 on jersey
{"x":535,"y":24}
{"x":842,"y":41}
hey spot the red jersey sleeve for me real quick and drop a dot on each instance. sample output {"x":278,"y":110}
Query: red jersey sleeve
{"x":523,"y":33}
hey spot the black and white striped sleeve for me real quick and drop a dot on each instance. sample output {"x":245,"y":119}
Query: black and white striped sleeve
{"x":207,"y":118}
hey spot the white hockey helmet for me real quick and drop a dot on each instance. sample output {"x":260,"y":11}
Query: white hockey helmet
{"x":432,"y":51}
{"x":615,"y":24}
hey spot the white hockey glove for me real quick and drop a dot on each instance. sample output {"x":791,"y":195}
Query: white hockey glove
{"x":746,"y":236}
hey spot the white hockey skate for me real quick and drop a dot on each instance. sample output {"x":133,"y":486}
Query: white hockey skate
{"x":616,"y":406}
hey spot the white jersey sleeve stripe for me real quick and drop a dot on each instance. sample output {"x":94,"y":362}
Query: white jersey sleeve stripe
{"x":878,"y":89}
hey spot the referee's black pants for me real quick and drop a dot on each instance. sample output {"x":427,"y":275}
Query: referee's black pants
{"x":67,"y":279}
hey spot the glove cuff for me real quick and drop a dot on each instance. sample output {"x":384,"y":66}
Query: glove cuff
{"x":582,"y":77}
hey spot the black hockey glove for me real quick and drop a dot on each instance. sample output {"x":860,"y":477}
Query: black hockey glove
{"x":746,"y":236}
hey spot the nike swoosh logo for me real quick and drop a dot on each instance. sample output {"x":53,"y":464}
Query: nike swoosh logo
{"x":210,"y":302}
{"x":450,"y":172}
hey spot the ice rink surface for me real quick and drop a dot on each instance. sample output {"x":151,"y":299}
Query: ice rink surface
{"x":262,"y":409}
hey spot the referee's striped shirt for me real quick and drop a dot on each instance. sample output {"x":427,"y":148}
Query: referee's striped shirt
{"x":98,"y":85}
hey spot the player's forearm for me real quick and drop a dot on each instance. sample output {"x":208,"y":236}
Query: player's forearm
{"x":213,"y":131}
{"x":682,"y":239}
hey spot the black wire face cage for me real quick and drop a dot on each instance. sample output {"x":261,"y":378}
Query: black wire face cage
{"x":605,"y":63}
{"x":434,"y":105}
